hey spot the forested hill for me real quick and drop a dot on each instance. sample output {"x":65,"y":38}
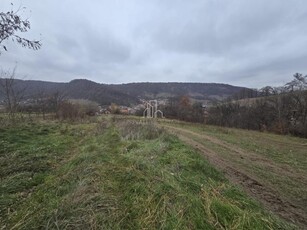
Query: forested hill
{"x":200,"y":91}
{"x":124,"y":94}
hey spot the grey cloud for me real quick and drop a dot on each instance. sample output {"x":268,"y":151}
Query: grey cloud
{"x":238,"y":42}
{"x":219,"y":27}
{"x":105,"y":48}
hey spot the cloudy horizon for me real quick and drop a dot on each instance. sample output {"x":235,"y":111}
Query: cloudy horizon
{"x":246,"y":43}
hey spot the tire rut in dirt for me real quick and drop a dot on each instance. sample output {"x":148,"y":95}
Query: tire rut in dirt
{"x":263,"y":193}
{"x":268,"y":197}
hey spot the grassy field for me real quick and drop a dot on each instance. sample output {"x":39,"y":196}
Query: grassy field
{"x":276,"y":162}
{"x":115,"y":173}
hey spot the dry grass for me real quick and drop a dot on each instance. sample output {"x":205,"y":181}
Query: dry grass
{"x":277,"y":162}
{"x":116,"y":174}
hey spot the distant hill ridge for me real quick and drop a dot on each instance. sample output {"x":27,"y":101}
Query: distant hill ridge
{"x":127,"y":94}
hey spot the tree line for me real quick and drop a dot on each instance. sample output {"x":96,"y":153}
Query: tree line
{"x":183,"y":108}
{"x":277,"y":109}
{"x":280,"y":109}
{"x":16,"y":103}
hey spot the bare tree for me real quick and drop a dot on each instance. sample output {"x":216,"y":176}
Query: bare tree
{"x":299,"y":83}
{"x":10,"y":24}
{"x":298,"y":93}
{"x":41,"y":102}
{"x":267,"y":91}
{"x":12,"y":94}
{"x":55,"y":101}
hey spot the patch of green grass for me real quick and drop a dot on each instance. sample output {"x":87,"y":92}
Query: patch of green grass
{"x":109,"y":177}
{"x":28,"y":154}
{"x":279,"y":148}
{"x":186,"y":186}
{"x":286,"y":154}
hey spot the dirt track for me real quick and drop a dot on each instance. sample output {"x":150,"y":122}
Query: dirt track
{"x":263,"y":192}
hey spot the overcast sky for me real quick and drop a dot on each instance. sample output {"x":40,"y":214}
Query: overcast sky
{"x":250,"y":43}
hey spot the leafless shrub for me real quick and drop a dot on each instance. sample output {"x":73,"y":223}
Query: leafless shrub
{"x":136,"y":130}
{"x":76,"y":109}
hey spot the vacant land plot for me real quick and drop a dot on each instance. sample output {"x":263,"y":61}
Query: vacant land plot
{"x":115,"y":174}
{"x":270,"y":167}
